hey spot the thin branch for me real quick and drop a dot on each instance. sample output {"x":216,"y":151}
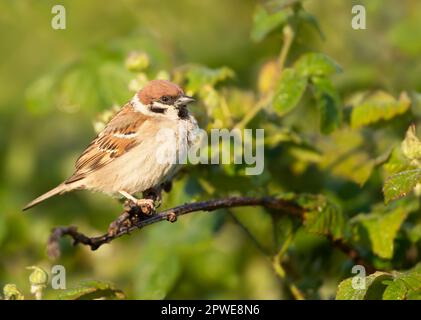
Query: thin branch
{"x":134,"y":219}
{"x":268,"y":97}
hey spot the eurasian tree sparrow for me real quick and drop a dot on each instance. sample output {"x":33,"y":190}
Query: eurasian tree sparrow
{"x":121,"y":160}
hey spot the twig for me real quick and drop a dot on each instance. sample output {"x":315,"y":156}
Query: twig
{"x":138,"y":221}
{"x":267,"y":98}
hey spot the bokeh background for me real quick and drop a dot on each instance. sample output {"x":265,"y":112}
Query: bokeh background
{"x":202,"y":255}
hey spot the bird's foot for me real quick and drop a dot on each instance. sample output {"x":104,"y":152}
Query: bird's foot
{"x":147,"y":206}
{"x":154,"y":194}
{"x":172,"y":217}
{"x":144,"y":206}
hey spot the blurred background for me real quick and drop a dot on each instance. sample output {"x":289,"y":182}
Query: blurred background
{"x":55,"y":83}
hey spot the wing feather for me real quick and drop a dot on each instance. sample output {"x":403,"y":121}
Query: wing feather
{"x":119,"y":136}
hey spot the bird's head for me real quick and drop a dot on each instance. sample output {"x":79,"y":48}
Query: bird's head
{"x":162,"y":97}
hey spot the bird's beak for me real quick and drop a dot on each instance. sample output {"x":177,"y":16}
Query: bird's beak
{"x":184,"y":100}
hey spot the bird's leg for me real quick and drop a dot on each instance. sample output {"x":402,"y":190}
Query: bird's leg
{"x":146,"y":205}
{"x":154,"y":194}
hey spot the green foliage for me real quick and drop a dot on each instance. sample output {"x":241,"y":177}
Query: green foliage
{"x":407,"y":175}
{"x":90,"y":290}
{"x":334,"y":125}
{"x":378,"y":106}
{"x":264,"y":22}
{"x":325,"y":219}
{"x":384,"y":285}
{"x":11,"y":292}
{"x":291,"y":87}
{"x":86,"y":290}
{"x":316,"y":65}
{"x":382,"y":229}
{"x":400,"y":184}
{"x":328,"y":102}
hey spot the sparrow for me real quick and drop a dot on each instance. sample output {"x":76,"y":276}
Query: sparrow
{"x":121,"y":160}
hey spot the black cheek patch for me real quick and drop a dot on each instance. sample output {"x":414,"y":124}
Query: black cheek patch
{"x":157,"y":109}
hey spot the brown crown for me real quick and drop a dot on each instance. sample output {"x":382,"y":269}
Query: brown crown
{"x":155,"y":89}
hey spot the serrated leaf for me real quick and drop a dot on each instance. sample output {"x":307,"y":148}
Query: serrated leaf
{"x":316,"y":65}
{"x":383,"y":285}
{"x":397,"y":162}
{"x":264,"y":22}
{"x":322,"y":217}
{"x":329,"y":104}
{"x":289,"y":91}
{"x":90,"y":290}
{"x":411,"y":145}
{"x":378,"y":106}
{"x":346,"y":291}
{"x":404,"y":284}
{"x":400,"y":184}
{"x":382,"y":229}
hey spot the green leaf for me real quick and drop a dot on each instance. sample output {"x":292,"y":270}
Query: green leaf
{"x":200,"y":76}
{"x":289,"y":91}
{"x":400,"y":184}
{"x":382,"y":229}
{"x":411,"y":146}
{"x":346,"y":290}
{"x":404,"y":284}
{"x":316,"y":65}
{"x":383,"y":285}
{"x":378,"y":106}
{"x":397,"y":162}
{"x":264,"y":22}
{"x":11,"y":292}
{"x":329,"y":104}
{"x":90,"y":290}
{"x":320,"y":215}
{"x":311,"y":20}
{"x":414,"y":295}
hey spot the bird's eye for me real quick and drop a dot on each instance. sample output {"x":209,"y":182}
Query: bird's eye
{"x":165,"y":99}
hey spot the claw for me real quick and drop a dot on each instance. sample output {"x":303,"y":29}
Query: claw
{"x":146,"y":205}
{"x":172,"y":217}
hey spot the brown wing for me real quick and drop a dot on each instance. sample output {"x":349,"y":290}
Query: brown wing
{"x":119,"y":136}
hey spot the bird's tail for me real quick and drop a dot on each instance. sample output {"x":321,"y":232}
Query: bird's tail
{"x":60,"y":189}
